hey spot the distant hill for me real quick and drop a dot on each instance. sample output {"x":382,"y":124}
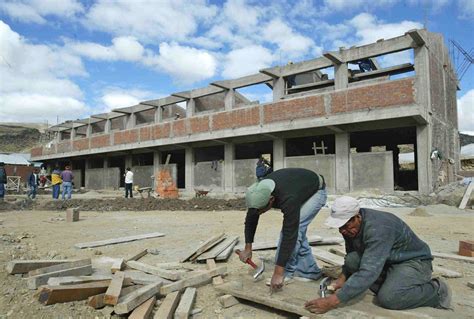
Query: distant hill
{"x":16,"y":138}
{"x":465,"y":139}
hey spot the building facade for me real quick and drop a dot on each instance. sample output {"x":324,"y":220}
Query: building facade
{"x":346,"y":115}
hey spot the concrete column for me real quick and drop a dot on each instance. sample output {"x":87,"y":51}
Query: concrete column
{"x":279,"y":152}
{"x":156,"y":165}
{"x":278,"y":89}
{"x":128,"y":161}
{"x":89,"y":130}
{"x":229,"y":99}
{"x":158,"y":114}
{"x":108,"y":126}
{"x":189,"y":169}
{"x":229,"y":167}
{"x":87,"y":163}
{"x":343,"y":151}
{"x":423,"y":160}
{"x":73,"y":134}
{"x":130,"y":121}
{"x":106,"y":162}
{"x":190,"y":108}
{"x":341,"y":74}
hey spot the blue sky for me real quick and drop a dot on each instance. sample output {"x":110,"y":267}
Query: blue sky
{"x":68,"y":59}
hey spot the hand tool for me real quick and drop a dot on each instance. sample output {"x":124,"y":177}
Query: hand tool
{"x":323,"y":286}
{"x":259,"y":270}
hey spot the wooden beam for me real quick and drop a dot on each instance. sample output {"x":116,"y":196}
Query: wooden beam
{"x":136,"y":298}
{"x":138,"y":256}
{"x":227,"y":252}
{"x":217,"y":249}
{"x":49,"y":295}
{"x":144,"y":310}
{"x":186,"y":304}
{"x":113,"y":291}
{"x":117,"y":265}
{"x":447,"y":273}
{"x":204,"y":246}
{"x":119,"y":240}
{"x":40,"y":280}
{"x":328,"y":257}
{"x":141,"y":278}
{"x":466,"y":196}
{"x":74,"y":280}
{"x":164,"y":273}
{"x":211,"y":264}
{"x":272,"y":244}
{"x":195,"y":280}
{"x":168,"y":307}
{"x":453,"y":257}
{"x":97,"y":301}
{"x":63,"y":266}
{"x":228,"y":301}
{"x":24,"y":266}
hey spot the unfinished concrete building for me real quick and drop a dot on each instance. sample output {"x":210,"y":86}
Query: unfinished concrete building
{"x":342,"y":115}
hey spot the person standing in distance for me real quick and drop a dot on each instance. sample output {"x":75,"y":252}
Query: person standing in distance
{"x":128,"y":183}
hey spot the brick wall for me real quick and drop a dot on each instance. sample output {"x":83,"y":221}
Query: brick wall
{"x":179,"y":127}
{"x":160,"y":130}
{"x":64,"y":147}
{"x":145,"y":133}
{"x":36,"y":151}
{"x":311,"y":106}
{"x":125,"y":137}
{"x":100,"y":141}
{"x":236,"y":118}
{"x":81,"y":144}
{"x":199,"y":124}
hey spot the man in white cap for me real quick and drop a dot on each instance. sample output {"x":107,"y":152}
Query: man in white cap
{"x":300,"y":194}
{"x":385,"y":256}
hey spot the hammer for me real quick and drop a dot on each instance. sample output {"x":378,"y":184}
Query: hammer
{"x":259,"y":270}
{"x":323,"y":286}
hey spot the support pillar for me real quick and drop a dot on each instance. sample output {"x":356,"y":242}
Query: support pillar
{"x":128,"y":161}
{"x":130,"y":121}
{"x":229,"y":167}
{"x":158,"y":114}
{"x":106,"y":162}
{"x":341,"y":76}
{"x":423,"y":160}
{"x":189,"y":169}
{"x":278,"y":88}
{"x":89,"y":130}
{"x":343,"y":151}
{"x":190,"y":108}
{"x":156,"y":166}
{"x":278,"y":153}
{"x":229,"y":99}
{"x":107,"y":126}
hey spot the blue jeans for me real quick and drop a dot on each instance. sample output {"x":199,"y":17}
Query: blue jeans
{"x":56,"y":191}
{"x":67,"y":189}
{"x":2,"y":190}
{"x":302,"y":262}
{"x":32,"y":191}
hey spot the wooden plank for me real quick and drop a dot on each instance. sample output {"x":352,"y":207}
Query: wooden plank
{"x":141,"y":278}
{"x":117,"y":265}
{"x":195,"y":280}
{"x":176,"y":265}
{"x":24,"y":266}
{"x":36,"y":281}
{"x":136,"y":298}
{"x":168,"y":307}
{"x":453,"y":257}
{"x":211,"y":264}
{"x":164,"y":273}
{"x":204,"y":246}
{"x":119,"y":240}
{"x":328,"y":241}
{"x":97,"y":301}
{"x":272,"y":244}
{"x":49,"y":295}
{"x":144,"y":310}
{"x":447,"y":273}
{"x":216,"y":250}
{"x":138,"y":256}
{"x":74,"y":280}
{"x":186,"y":304}
{"x":73,"y":264}
{"x":466,"y":196}
{"x":328,"y":257}
{"x":470,"y":284}
{"x":113,"y":291}
{"x":337,"y":251}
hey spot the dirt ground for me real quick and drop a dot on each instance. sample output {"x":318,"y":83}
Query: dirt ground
{"x":44,"y":234}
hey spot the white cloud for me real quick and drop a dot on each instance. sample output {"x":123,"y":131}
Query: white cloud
{"x":35,"y":79}
{"x":149,"y":20}
{"x":186,"y":65}
{"x":243,"y":16}
{"x":122,"y":48}
{"x":466,"y":111}
{"x":245,"y":61}
{"x":289,"y":42}
{"x":34,"y":11}
{"x":350,"y":5}
{"x":466,"y":9}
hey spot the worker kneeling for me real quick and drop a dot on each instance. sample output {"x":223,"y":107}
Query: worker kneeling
{"x":385,"y":255}
{"x":300,"y":194}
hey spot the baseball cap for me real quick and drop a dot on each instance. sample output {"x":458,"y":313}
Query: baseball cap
{"x":259,"y":193}
{"x":343,"y":209}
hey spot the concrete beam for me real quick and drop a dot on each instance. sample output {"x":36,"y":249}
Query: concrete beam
{"x":184,"y":95}
{"x":164,"y":101}
{"x":124,"y":110}
{"x":243,"y":81}
{"x":417,"y":37}
{"x":297,"y":68}
{"x":334,"y":57}
{"x":208,"y":90}
{"x":335,"y":129}
{"x":107,"y":116}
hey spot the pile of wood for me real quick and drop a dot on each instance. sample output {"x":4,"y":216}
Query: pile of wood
{"x":129,"y":286}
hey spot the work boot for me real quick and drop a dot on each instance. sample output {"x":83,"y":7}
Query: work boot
{"x":444,"y":293}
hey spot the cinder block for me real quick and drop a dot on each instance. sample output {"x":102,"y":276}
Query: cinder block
{"x":465,"y":252}
{"x":466,"y":244}
{"x":72,"y":215}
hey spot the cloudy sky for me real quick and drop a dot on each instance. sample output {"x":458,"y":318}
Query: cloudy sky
{"x":67,"y":59}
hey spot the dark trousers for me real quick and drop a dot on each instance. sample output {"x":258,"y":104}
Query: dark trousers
{"x":406,"y":285}
{"x":56,"y":189}
{"x":128,"y":189}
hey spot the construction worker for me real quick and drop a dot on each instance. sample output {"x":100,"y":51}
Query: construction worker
{"x":385,"y":255}
{"x":67,"y":177}
{"x":300,"y":194}
{"x":33,"y":183}
{"x":128,"y":183}
{"x":3,"y":181}
{"x":56,"y":182}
